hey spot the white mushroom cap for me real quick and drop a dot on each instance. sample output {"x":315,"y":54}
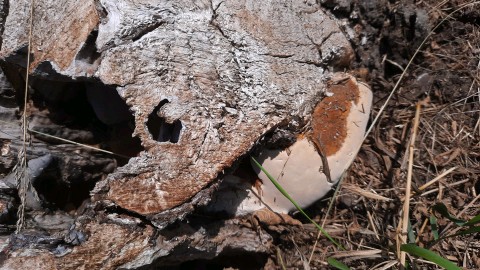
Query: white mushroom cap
{"x":338,"y":126}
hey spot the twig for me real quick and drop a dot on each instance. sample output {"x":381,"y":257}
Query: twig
{"x":447,"y":186}
{"x":434,"y":180}
{"x":406,"y":203}
{"x":370,"y":219}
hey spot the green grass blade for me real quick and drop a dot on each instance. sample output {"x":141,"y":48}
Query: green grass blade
{"x":285,"y":194}
{"x":410,"y":233}
{"x":473,"y":221}
{"x":434,"y":227}
{"x":337,"y":264}
{"x":470,"y":230}
{"x":442,"y":210}
{"x":431,"y":256}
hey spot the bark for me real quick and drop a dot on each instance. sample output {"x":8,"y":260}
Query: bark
{"x":183,"y":88}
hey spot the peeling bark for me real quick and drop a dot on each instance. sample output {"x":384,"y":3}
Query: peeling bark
{"x":196,"y":83}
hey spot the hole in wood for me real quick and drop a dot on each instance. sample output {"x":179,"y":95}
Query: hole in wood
{"x":89,"y":53}
{"x":89,"y":113}
{"x":160,"y":129}
{"x":66,"y":184}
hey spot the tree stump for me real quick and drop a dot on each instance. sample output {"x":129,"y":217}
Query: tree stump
{"x":180,"y":91}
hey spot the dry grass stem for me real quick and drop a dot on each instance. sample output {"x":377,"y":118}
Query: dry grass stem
{"x":21,"y":175}
{"x":406,"y":203}
{"x":78,"y":144}
{"x":385,"y":265}
{"x":366,"y":193}
{"x":330,"y":206}
{"x":280,"y":259}
{"x":422,"y":229}
{"x":434,"y":180}
{"x":357,"y":253}
{"x":372,"y":224}
{"x":447,"y":186}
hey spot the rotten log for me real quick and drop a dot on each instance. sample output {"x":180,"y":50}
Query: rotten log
{"x":185,"y":89}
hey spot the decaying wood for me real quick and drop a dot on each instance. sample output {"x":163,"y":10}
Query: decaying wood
{"x":203,"y":82}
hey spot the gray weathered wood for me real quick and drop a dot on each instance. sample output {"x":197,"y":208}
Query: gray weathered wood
{"x":225,"y":72}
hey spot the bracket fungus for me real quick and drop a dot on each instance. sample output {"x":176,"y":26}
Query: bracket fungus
{"x":336,"y":131}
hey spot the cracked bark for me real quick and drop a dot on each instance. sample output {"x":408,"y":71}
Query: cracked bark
{"x":229,"y":71}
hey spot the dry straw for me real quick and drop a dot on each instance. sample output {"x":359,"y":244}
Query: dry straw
{"x":21,"y":175}
{"x":406,"y":202}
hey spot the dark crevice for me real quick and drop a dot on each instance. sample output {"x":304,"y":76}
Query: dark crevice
{"x":146,"y":30}
{"x":279,"y":55}
{"x":311,"y":63}
{"x":234,"y":45}
{"x":4,"y":9}
{"x":170,"y":132}
{"x":88,"y":113}
{"x":7,"y":93}
{"x":215,"y":24}
{"x":340,"y":9}
{"x":122,"y":211}
{"x":65,"y":184}
{"x":412,"y":19}
{"x":40,"y":240}
{"x":317,"y":46}
{"x":237,"y":258}
{"x":89,"y":53}
{"x":101,"y":10}
{"x":160,"y":129}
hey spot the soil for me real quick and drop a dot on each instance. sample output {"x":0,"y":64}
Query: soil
{"x":444,"y":77}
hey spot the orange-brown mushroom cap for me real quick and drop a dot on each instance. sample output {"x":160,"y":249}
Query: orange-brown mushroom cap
{"x":330,"y":116}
